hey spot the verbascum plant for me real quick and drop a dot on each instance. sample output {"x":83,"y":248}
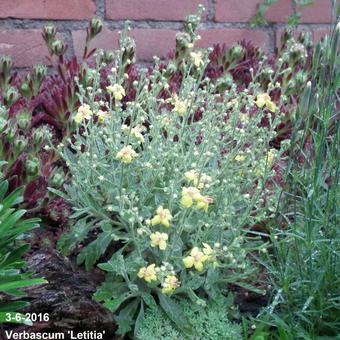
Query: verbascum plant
{"x":170,"y":187}
{"x":38,"y":105}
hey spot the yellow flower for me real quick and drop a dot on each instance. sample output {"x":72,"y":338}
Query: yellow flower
{"x":202,"y":202}
{"x":192,"y":195}
{"x":135,"y":131}
{"x":271,"y":106}
{"x":102,"y":116}
{"x":163,"y":217}
{"x":196,"y":259}
{"x":270,"y":157}
{"x":264,"y":100}
{"x":240,"y":158}
{"x":126,"y":154}
{"x":209,"y":253}
{"x":244,"y":118}
{"x":189,"y":195}
{"x":233,"y":103}
{"x":261,"y":100}
{"x":148,"y":273}
{"x":242,"y":173}
{"x":264,"y":163}
{"x":196,"y":58}
{"x":159,"y":240}
{"x":193,"y":177}
{"x":258,"y":172}
{"x":180,"y":106}
{"x":170,"y":284}
{"x":84,"y":112}
{"x":207,"y":249}
{"x":117,"y":91}
{"x":165,"y":121}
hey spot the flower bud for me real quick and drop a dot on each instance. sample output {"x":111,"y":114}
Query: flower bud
{"x":95,"y":27}
{"x":58,"y":179}
{"x":25,"y":89}
{"x":58,"y":47}
{"x":23,"y":120}
{"x":183,"y":41}
{"x":129,"y":50}
{"x":40,"y":72}
{"x":108,"y":57}
{"x":170,"y":70}
{"x":236,"y":52}
{"x":10,"y":134}
{"x":6,"y":63}
{"x":225,"y":82}
{"x":40,"y":134}
{"x":191,"y":23}
{"x":19,"y":144}
{"x":32,"y":166}
{"x":49,"y":32}
{"x":11,"y":96}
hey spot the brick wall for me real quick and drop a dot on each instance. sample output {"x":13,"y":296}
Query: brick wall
{"x":154,"y":24}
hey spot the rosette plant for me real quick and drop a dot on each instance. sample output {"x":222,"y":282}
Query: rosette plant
{"x":168,"y":189}
{"x":36,"y":107}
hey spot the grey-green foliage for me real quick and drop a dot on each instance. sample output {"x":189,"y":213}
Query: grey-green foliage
{"x":210,"y":323}
{"x":157,"y":326}
{"x":124,"y":176}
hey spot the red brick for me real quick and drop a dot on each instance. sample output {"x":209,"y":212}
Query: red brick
{"x":107,"y":40}
{"x":172,"y":10}
{"x":26,"y":47}
{"x":230,"y":36}
{"x":149,"y":42}
{"x":244,"y":10}
{"x":319,"y":12}
{"x":152,"y":42}
{"x":319,"y":34}
{"x":235,"y":10}
{"x":280,"y":11}
{"x":47,"y":9}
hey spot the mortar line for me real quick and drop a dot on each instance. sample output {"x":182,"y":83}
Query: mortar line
{"x":100,"y":9}
{"x":66,"y":25}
